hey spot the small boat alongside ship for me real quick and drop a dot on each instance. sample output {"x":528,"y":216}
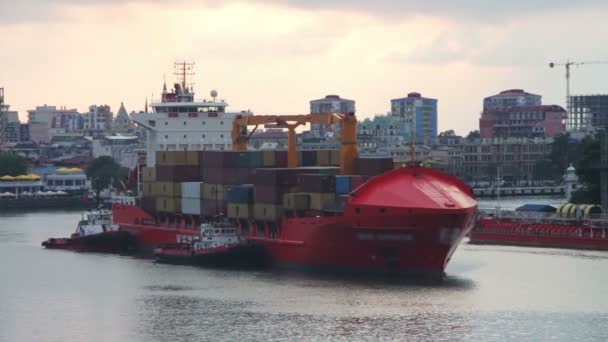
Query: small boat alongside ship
{"x":569,"y":226}
{"x":219,"y":244}
{"x":95,"y":233}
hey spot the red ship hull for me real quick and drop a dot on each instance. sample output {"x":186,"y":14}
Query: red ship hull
{"x":406,"y":221}
{"x":332,"y":244}
{"x":512,"y":233}
{"x":147,"y":233}
{"x":231,"y":255}
{"x":107,"y":242}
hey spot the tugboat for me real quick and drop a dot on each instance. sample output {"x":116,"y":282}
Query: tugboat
{"x":218,"y":244}
{"x":96,"y":233}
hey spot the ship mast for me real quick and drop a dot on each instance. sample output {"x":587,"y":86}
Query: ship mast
{"x":184,"y":72}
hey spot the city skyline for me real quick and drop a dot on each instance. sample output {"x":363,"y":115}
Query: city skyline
{"x":273,"y":57}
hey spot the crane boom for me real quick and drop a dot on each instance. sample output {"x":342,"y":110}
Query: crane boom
{"x":348,"y":123}
{"x":567,"y":65}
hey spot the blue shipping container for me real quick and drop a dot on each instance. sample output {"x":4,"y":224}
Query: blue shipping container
{"x":240,"y":194}
{"x":342,"y":185}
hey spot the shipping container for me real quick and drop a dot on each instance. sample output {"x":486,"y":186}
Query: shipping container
{"x":276,"y":177}
{"x":168,"y":204}
{"x":219,"y":159}
{"x":170,"y":158}
{"x":334,"y":157}
{"x":148,"y":203}
{"x":267,"y":212}
{"x":168,"y":189}
{"x":191,"y":206}
{"x":193,"y":158}
{"x":249,"y":159}
{"x":324,"y":158}
{"x":269,"y":159}
{"x":319,"y":200}
{"x":346,"y":184}
{"x":239,"y":194}
{"x":148,"y":189}
{"x":191,"y":190}
{"x":240,"y":211}
{"x":296,"y":201}
{"x":178,"y":173}
{"x":280,"y":158}
{"x":271,"y":194}
{"x":317,"y":183}
{"x":148,"y":174}
{"x":214,"y":192}
{"x":343,"y":184}
{"x":308,"y":158}
{"x":213,"y":207}
{"x":337,"y":205}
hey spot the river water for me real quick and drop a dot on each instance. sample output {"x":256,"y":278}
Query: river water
{"x":491,"y":294}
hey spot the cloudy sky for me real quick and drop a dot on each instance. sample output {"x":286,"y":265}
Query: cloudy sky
{"x":273,"y":56}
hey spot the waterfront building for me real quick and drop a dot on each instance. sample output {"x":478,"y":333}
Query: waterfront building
{"x":515,"y":113}
{"x":588,"y":112}
{"x":121,"y":148}
{"x":420,"y":114}
{"x":57,"y":120}
{"x":12,"y":133}
{"x":122,"y":122}
{"x":511,"y":98}
{"x":275,"y":136}
{"x":329,"y":104}
{"x":98,"y":118}
{"x":516,"y":157}
{"x":383,"y":130}
{"x":522,"y":121}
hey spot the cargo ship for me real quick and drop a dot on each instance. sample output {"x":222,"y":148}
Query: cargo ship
{"x":570,"y":226}
{"x":95,"y":233}
{"x":323,"y":210}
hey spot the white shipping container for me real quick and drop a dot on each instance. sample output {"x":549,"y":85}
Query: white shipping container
{"x":191,"y":190}
{"x":191,"y":206}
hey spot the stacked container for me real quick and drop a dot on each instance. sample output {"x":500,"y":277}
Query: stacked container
{"x":346,"y":184}
{"x":270,"y":186}
{"x":192,"y":201}
{"x":240,"y":202}
{"x":168,"y":197}
{"x":148,"y":189}
{"x":321,"y":189}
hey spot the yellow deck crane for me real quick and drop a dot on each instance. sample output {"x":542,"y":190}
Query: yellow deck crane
{"x":348,"y":134}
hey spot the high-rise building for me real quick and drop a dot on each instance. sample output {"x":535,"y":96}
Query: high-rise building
{"x":419,"y":114}
{"x":588,"y":112}
{"x":511,"y":97}
{"x":329,"y":104}
{"x":48,"y":121}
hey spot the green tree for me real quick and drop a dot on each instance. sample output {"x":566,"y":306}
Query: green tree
{"x":12,"y":165}
{"x":473,"y":135}
{"x":448,"y":133}
{"x":102,"y":171}
{"x":588,"y":171}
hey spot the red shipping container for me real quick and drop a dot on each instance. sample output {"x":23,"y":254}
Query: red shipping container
{"x":317,"y":183}
{"x":270,"y":194}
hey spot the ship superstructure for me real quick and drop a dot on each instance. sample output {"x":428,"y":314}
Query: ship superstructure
{"x":179,"y":122}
